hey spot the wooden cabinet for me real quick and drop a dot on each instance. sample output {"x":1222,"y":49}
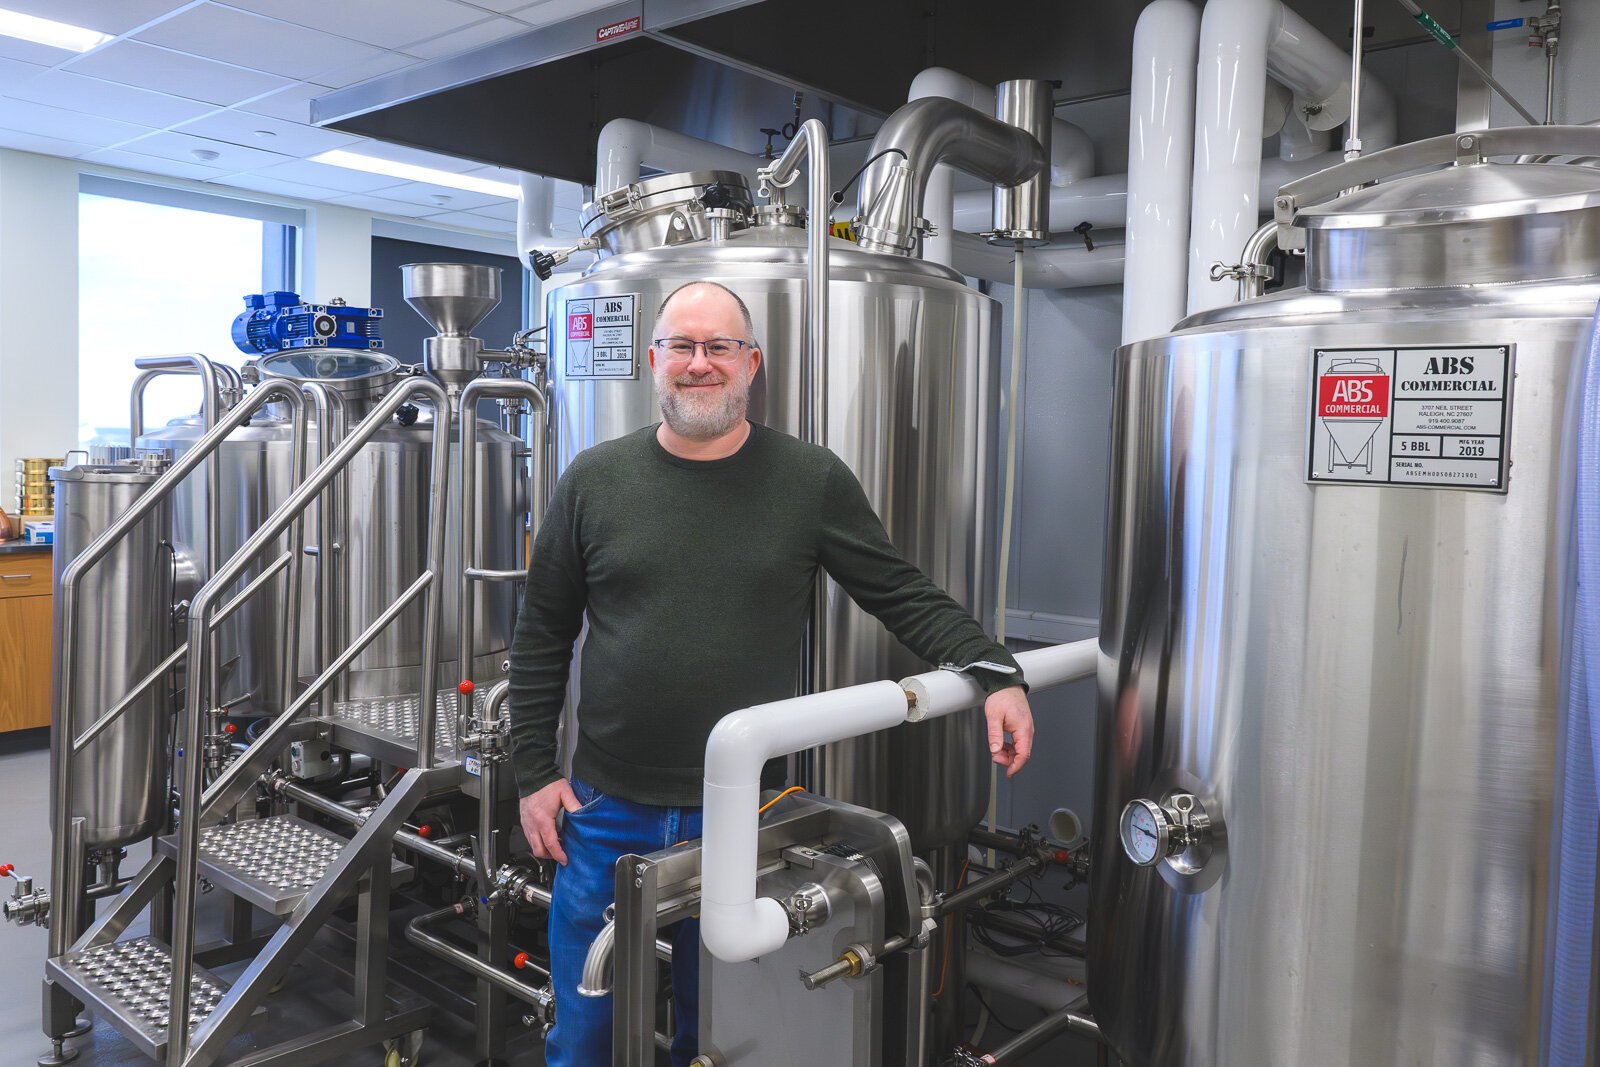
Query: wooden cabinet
{"x":25,"y":623}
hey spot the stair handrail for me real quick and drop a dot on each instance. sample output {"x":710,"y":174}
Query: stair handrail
{"x":66,"y":870}
{"x":199,"y":803}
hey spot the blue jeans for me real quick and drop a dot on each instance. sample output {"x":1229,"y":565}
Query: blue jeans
{"x":595,"y":837}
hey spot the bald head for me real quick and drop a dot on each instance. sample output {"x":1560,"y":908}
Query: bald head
{"x":706,"y":299}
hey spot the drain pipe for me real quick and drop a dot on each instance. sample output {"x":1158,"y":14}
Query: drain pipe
{"x":1241,"y":41}
{"x":735,"y":924}
{"x":625,"y":145}
{"x":1160,"y":155}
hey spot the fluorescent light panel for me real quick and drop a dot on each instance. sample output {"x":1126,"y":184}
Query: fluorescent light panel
{"x":49,"y":32}
{"x":340,"y":157}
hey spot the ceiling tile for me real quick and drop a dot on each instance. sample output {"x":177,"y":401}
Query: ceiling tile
{"x":183,"y":146}
{"x":15,"y":74}
{"x":349,"y":73}
{"x":545,"y":12}
{"x":470,"y":221}
{"x":248,"y":40}
{"x":501,"y":6}
{"x":267,"y":134}
{"x":116,"y":157}
{"x":28,"y":52}
{"x":110,"y":100}
{"x":319,"y":174}
{"x":48,"y":146}
{"x":292,"y":104}
{"x":261,"y":182}
{"x":379,"y":206}
{"x":441,"y":197}
{"x":449,"y":44}
{"x":30,"y":117}
{"x":148,"y":67}
{"x":505,"y":211}
{"x":107,"y":16}
{"x":386,"y":23}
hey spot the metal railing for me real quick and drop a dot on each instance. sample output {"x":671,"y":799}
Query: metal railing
{"x":68,"y":831}
{"x":200,"y":803}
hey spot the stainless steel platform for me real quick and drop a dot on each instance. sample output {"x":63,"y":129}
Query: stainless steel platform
{"x":386,"y":727}
{"x":272,"y":863}
{"x":127,"y":983}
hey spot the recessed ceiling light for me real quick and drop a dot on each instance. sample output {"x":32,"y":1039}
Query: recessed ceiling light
{"x":49,"y":32}
{"x":204,"y":155}
{"x":340,"y":157}
{"x":440,"y":199}
{"x":263,"y":134}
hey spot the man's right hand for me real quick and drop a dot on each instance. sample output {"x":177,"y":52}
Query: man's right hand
{"x":539,"y":811}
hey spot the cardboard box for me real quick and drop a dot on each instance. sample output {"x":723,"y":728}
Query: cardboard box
{"x":39,"y":531}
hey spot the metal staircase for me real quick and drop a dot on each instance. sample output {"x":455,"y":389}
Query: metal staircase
{"x":163,"y":998}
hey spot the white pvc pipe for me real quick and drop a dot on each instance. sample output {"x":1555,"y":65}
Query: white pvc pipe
{"x":625,"y":145}
{"x":1160,"y":157}
{"x":1064,"y":266}
{"x":938,"y":693}
{"x":1240,"y":42}
{"x":734,"y":924}
{"x":536,"y":209}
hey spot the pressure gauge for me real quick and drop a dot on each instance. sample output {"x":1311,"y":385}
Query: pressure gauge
{"x":1146,"y":832}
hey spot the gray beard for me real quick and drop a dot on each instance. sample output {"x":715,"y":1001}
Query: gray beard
{"x":703,"y":418}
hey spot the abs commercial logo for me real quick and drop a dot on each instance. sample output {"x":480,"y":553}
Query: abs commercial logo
{"x":617,"y":29}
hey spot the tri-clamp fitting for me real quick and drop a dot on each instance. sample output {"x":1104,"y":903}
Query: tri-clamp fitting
{"x":807,"y":907}
{"x":26,"y":907}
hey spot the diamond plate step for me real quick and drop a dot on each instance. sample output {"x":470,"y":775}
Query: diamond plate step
{"x":128,"y":983}
{"x":385,"y":727}
{"x":272,"y":862}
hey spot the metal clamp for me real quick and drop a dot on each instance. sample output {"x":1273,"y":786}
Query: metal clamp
{"x":808,"y":908}
{"x":1242,"y":272}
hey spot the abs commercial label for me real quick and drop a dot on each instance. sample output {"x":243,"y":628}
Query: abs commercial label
{"x":599,"y":337}
{"x":1425,"y":417}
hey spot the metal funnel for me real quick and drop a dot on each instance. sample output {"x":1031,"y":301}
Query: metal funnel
{"x":453,"y":297}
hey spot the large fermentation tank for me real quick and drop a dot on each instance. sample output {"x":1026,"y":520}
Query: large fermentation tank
{"x":124,"y":630}
{"x":911,"y":409}
{"x":1332,"y":618}
{"x":378,"y":549}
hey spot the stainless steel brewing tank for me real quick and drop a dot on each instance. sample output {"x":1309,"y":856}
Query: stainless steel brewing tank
{"x":381,"y":548}
{"x":911,"y":409}
{"x":124,"y":629}
{"x":1357,"y":679}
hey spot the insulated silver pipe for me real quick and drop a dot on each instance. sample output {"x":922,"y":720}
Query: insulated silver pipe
{"x":919,"y":135}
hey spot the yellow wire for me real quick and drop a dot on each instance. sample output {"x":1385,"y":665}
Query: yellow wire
{"x":762,"y":810}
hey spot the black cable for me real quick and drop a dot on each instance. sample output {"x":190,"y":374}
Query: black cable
{"x":994,"y":1015}
{"x":838,"y":197}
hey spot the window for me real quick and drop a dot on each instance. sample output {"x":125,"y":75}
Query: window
{"x":163,"y":271}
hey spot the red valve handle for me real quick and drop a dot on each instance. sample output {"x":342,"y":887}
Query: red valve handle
{"x":520,"y":960}
{"x":6,"y":869}
{"x":466,"y":687}
{"x":230,"y":728}
{"x":425,"y":830}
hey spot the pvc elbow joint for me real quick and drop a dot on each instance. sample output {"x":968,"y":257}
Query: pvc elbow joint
{"x":735,"y":933}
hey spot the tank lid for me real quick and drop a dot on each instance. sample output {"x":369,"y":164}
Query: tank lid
{"x":147,"y":468}
{"x":323,"y":365}
{"x":664,"y":211}
{"x":1467,"y":193}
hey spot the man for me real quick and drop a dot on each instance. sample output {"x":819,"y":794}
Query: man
{"x":692,"y":547}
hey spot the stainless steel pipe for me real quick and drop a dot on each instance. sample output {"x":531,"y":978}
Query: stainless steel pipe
{"x":1022,"y":211}
{"x":1062,"y":1021}
{"x":419,"y":934}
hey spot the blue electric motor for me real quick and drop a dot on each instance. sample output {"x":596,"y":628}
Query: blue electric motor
{"x":278,"y":321}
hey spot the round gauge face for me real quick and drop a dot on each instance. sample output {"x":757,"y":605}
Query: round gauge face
{"x":1143,"y":835}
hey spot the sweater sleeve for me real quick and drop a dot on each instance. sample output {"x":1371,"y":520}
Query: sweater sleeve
{"x":553,"y":601}
{"x":856,"y":552}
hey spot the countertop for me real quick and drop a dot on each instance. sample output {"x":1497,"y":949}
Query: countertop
{"x":17,"y":544}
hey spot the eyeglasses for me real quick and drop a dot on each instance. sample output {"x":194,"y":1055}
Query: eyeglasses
{"x":718,"y":349}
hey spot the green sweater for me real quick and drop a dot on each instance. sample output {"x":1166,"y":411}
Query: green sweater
{"x":697,"y":578}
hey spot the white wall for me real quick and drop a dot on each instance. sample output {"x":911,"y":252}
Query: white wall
{"x":38,"y":311}
{"x":1521,"y":69}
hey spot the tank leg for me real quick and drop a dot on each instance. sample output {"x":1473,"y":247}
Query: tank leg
{"x":58,"y":1054}
{"x":83,"y":1026}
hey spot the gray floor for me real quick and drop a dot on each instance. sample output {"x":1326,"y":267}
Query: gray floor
{"x":24,"y":798}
